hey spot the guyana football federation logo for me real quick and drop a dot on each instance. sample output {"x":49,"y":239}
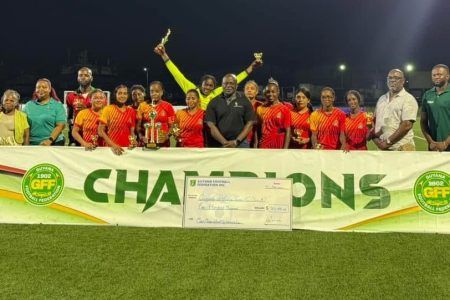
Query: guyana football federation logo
{"x":432,"y":192}
{"x":42,"y":184}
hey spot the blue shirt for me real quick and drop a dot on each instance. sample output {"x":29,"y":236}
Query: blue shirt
{"x":43,"y":119}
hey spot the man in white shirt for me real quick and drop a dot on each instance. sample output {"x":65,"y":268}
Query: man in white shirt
{"x":395,"y":114}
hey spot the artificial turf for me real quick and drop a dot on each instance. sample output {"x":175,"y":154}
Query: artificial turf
{"x":48,"y":261}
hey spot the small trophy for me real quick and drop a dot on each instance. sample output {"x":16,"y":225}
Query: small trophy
{"x":152,"y":143}
{"x":297,"y":135}
{"x":175,"y":131}
{"x":319,"y":146}
{"x":94,"y":140}
{"x":369,"y":119}
{"x":132,"y":139}
{"x":258,"y":56}
{"x":165,"y":39}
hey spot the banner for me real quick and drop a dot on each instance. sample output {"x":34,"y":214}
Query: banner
{"x":332,"y":190}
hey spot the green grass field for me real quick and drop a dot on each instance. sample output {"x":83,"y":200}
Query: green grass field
{"x":72,"y":262}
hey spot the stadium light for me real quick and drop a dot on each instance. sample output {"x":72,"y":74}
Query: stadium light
{"x":145,"y":69}
{"x":409,"y":68}
{"x":342,"y":68}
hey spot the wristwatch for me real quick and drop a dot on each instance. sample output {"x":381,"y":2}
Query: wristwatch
{"x":238,"y":141}
{"x":51,"y":139}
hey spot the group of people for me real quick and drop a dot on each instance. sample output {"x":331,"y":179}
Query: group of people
{"x":220,"y":116}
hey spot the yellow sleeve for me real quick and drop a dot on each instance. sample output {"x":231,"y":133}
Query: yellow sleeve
{"x":313,"y":121}
{"x":182,"y":81}
{"x":79,"y":120}
{"x":104,"y":118}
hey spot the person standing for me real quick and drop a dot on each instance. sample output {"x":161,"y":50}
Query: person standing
{"x":46,"y":116}
{"x":435,"y":113}
{"x":85,"y":129}
{"x":300,"y":128}
{"x":208,"y":89}
{"x":356,"y":122}
{"x":328,"y":124}
{"x":395,"y":114}
{"x":189,"y":122}
{"x":14,"y":128}
{"x":274,"y":118}
{"x":230,"y":117}
{"x":163,"y":116}
{"x":117,"y":122}
{"x":80,"y":99}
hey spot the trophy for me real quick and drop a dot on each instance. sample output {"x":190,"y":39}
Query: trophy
{"x":165,"y":39}
{"x":319,"y":146}
{"x":132,"y":139}
{"x":160,"y":136}
{"x":258,"y":56}
{"x":152,"y":143}
{"x":175,"y":131}
{"x":94,"y":140}
{"x":369,"y":116}
{"x":297,"y":135}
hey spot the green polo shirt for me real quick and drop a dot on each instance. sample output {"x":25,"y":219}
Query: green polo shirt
{"x":437,"y":108}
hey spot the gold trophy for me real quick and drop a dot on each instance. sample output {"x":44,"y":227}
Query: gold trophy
{"x":94,"y":140}
{"x":258,"y":56}
{"x":175,"y":131}
{"x":297,"y":135}
{"x":132,"y":139}
{"x":165,"y":39}
{"x":152,"y":143}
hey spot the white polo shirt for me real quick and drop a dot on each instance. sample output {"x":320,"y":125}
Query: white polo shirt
{"x":389,"y":113}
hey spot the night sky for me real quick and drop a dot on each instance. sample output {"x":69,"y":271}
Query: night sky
{"x":218,"y":37}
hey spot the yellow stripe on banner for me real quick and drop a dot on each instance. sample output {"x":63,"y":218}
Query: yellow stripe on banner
{"x":383,"y":217}
{"x":59,"y":207}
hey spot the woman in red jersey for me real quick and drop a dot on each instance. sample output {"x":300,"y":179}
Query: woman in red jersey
{"x":300,"y":129}
{"x":251,"y":90}
{"x":356,"y":122}
{"x":328,"y":124}
{"x":85,"y":129}
{"x":158,"y":114}
{"x":189,"y":122}
{"x":274,"y":118}
{"x":117,"y":122}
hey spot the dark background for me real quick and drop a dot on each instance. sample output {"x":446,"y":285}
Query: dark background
{"x":302,"y":41}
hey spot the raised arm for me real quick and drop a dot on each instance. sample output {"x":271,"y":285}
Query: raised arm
{"x":184,"y":83}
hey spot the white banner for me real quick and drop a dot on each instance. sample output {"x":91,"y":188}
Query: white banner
{"x":332,"y":190}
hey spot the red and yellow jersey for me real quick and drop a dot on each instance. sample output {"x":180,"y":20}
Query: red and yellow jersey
{"x":119,"y":124}
{"x":165,"y":116}
{"x":328,"y":127}
{"x":356,"y":131}
{"x":74,"y":99}
{"x":191,"y":128}
{"x":87,"y":120}
{"x":274,"y":121}
{"x":251,"y":134}
{"x":300,"y":128}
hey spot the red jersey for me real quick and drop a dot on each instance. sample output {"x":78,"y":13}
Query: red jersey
{"x":73,"y":99}
{"x":87,"y":120}
{"x":165,"y":116}
{"x":300,"y":128}
{"x":328,"y":127}
{"x":191,"y":128}
{"x":274,"y":121}
{"x":356,"y":131}
{"x":251,"y":134}
{"x":119,"y":123}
